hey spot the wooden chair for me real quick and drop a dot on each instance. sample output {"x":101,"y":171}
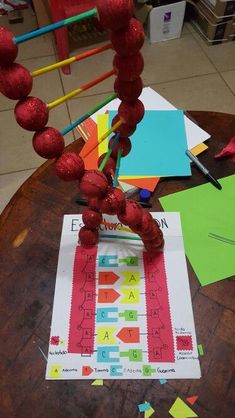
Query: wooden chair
{"x":62,"y":9}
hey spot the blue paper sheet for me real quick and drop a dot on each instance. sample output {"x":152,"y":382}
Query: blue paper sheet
{"x":158,"y":146}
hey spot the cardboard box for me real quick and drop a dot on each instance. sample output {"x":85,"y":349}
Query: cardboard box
{"x":221,"y":8}
{"x":203,"y":4}
{"x":213,"y":32}
{"x":165,"y":22}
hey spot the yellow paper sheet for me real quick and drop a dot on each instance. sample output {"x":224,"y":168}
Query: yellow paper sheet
{"x":103,"y":127}
{"x":198,"y":149}
{"x":179,"y":409}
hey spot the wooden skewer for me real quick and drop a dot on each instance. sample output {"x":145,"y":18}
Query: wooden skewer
{"x":105,"y":160}
{"x":76,"y":92}
{"x":119,"y":156}
{"x":49,"y":28}
{"x":78,"y":57}
{"x":73,"y":125}
{"x":42,"y":353}
{"x":103,"y":137}
{"x":224,"y":239}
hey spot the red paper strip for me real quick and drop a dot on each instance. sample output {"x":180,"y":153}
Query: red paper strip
{"x":159,"y":328}
{"x":82,"y":318}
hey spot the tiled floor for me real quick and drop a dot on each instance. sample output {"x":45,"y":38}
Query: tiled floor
{"x":185,"y":71}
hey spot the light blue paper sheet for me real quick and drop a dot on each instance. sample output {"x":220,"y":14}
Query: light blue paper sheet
{"x":158,"y":146}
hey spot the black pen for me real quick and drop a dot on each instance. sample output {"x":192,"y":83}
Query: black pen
{"x":81,"y":201}
{"x":203,"y":169}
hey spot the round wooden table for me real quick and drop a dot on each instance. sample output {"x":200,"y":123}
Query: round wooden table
{"x":30,"y":229}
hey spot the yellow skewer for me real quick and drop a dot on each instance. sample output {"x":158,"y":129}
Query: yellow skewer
{"x":80,"y":90}
{"x":111,"y":130}
{"x":64,"y":98}
{"x":52,"y":66}
{"x":78,"y":57}
{"x":102,"y":138}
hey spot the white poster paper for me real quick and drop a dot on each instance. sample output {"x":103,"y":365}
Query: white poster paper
{"x":120,"y":312}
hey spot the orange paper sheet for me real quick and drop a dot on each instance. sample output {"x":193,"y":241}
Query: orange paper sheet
{"x":91,"y":140}
{"x":148,"y":183}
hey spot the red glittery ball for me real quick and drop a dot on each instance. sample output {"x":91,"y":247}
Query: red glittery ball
{"x":152,"y":234}
{"x":15,"y":81}
{"x":109,"y":168}
{"x":93,"y":184}
{"x":91,"y":218}
{"x":48,"y":143}
{"x":154,"y":245}
{"x":94,"y":203}
{"x":124,"y":129}
{"x":128,"y":91}
{"x":132,"y":214}
{"x":114,"y":14}
{"x":131,"y":113}
{"x":8,"y":49}
{"x":110,"y":179}
{"x":88,"y":237}
{"x":31,"y":113}
{"x":113,"y":202}
{"x":129,"y":40}
{"x":145,"y":224}
{"x":128,"y":68}
{"x":123,"y":143}
{"x":70,"y":166}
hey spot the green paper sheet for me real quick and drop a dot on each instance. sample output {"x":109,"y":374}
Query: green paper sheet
{"x":205,"y":209}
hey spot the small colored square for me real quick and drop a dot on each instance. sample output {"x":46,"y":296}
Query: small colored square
{"x":184,"y":342}
{"x":144,"y":406}
{"x":55,"y":372}
{"x":55,"y":340}
{"x":97,"y":382}
{"x":200,"y":350}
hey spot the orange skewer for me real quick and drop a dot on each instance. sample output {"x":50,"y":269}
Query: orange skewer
{"x":78,"y":57}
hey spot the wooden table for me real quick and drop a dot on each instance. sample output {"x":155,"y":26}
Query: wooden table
{"x":28,"y":271}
